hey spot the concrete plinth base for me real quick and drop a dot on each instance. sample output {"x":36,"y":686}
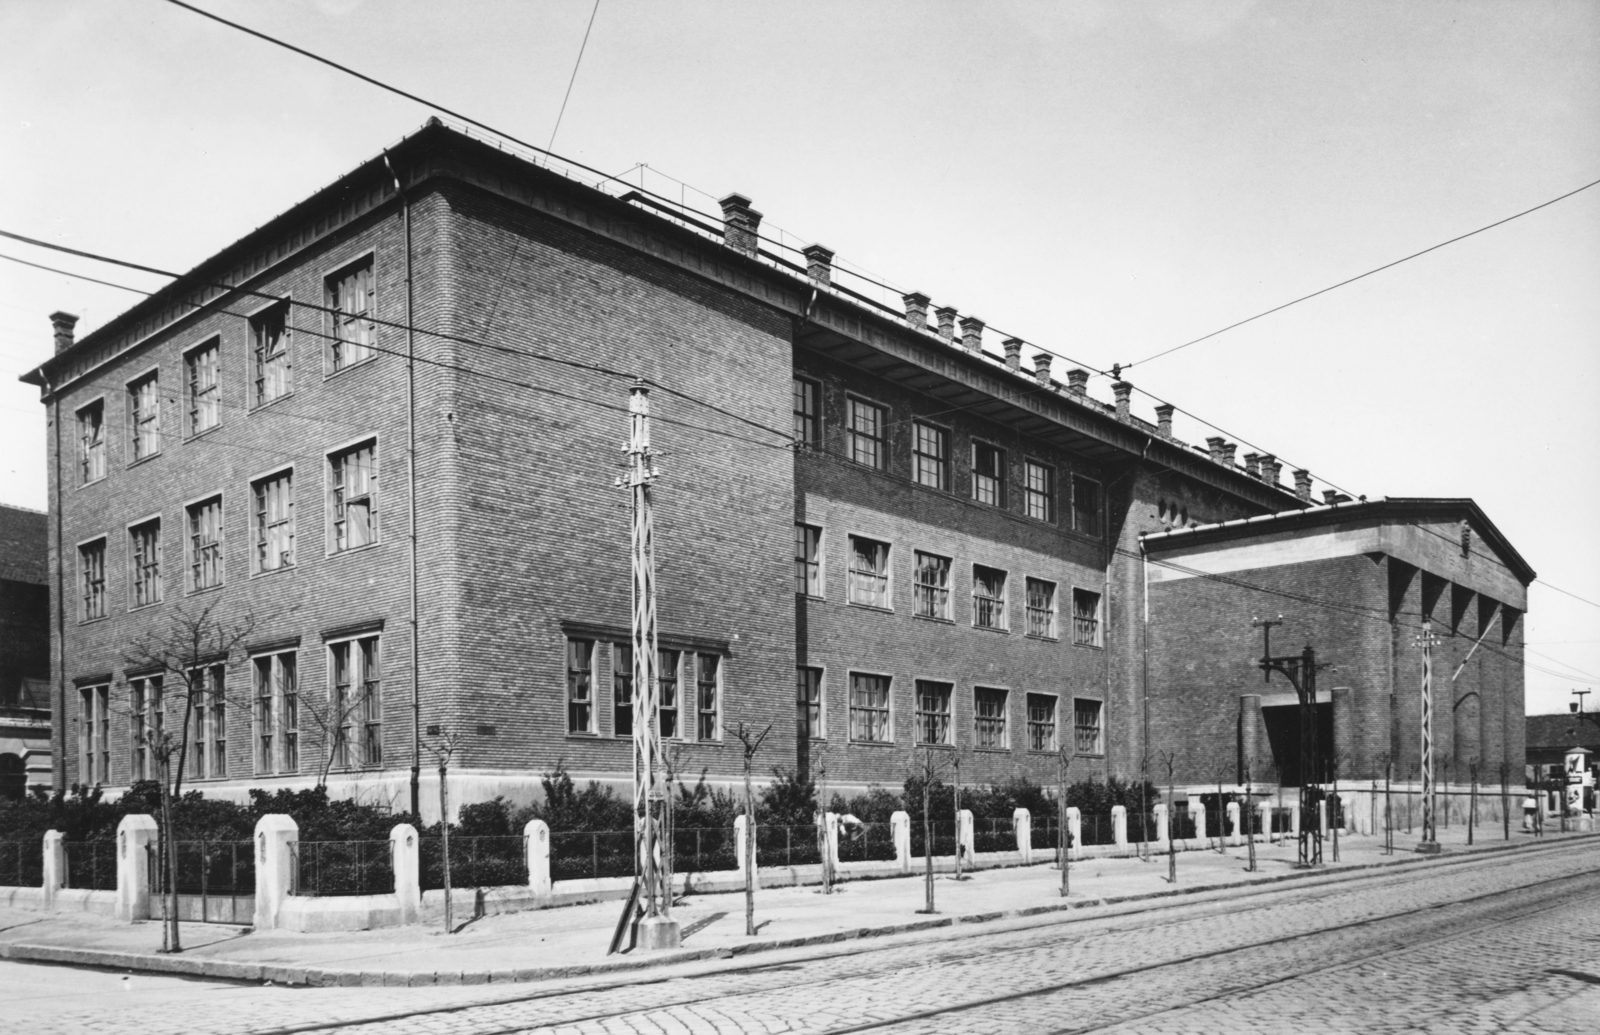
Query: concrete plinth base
{"x":1427,"y":848}
{"x":656,"y":932}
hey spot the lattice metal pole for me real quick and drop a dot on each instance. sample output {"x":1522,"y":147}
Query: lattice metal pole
{"x":1429,"y":843}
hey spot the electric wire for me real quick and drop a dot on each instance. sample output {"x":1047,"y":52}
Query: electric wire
{"x":575,"y":65}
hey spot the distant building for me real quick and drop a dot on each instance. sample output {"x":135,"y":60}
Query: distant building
{"x":1550,"y":737}
{"x":24,"y":651}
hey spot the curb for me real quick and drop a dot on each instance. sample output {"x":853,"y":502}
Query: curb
{"x":233,"y":970}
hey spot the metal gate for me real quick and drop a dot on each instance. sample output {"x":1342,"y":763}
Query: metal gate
{"x":216,"y":882}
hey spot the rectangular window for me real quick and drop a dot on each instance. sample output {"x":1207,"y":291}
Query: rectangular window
{"x":808,"y":702}
{"x":1042,"y":608}
{"x":353,"y":506}
{"x":1039,"y":490}
{"x":1086,"y":727}
{"x":807,"y":413}
{"x":274,"y":502}
{"x":930,"y":456}
{"x":988,"y":474}
{"x":94,"y":735}
{"x":1086,"y":505}
{"x":145,"y":552}
{"x":1041,"y":722}
{"x":144,"y":415}
{"x":92,"y":442}
{"x":205,"y":544}
{"x":269,"y":337}
{"x":622,"y":689}
{"x":933,"y":585}
{"x":867,"y":429}
{"x":92,"y":569}
{"x":869,"y":572}
{"x":667,"y":682}
{"x":205,"y":394}
{"x":1085,"y":618}
{"x":208,"y":734}
{"x":709,"y":671}
{"x":989,"y":718}
{"x":808,"y":560}
{"x":933,"y":712}
{"x":277,"y":716}
{"x":988,"y":598}
{"x":351,"y":296}
{"x":580,"y":686}
{"x":869,"y":708}
{"x":357,"y":703}
{"x":147,"y":720}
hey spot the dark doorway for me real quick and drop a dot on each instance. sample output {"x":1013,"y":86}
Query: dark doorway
{"x":1283,"y":734}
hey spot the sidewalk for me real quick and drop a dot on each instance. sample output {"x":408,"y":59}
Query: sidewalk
{"x":571,"y":941}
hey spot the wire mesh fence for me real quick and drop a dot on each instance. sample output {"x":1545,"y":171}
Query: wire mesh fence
{"x":994,"y":834}
{"x":704,"y":849}
{"x":91,"y":865}
{"x":944,"y":838}
{"x":1181,"y":824}
{"x":866,"y":842}
{"x":1097,"y":830}
{"x":788,"y":846}
{"x":21,"y":864}
{"x":475,"y":862}
{"x":589,"y":854}
{"x":329,"y":868}
{"x":1045,"y":833}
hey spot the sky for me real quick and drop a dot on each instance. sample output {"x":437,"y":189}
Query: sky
{"x":1107,"y":180}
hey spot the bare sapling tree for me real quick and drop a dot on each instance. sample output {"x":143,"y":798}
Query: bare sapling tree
{"x":332,"y":719}
{"x":1247,"y":817}
{"x":1505,"y":797}
{"x":1063,"y":834}
{"x":1445,"y":763}
{"x":752,"y":744}
{"x":1220,"y":773}
{"x":1383,"y":761}
{"x":1333,"y":804}
{"x":928,"y":771}
{"x":444,"y":750}
{"x":1472,"y":799}
{"x":824,"y":855}
{"x":955,"y":797}
{"x":1169,"y":762}
{"x":190,"y":654}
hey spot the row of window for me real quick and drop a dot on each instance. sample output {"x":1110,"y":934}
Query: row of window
{"x":677,"y":672}
{"x":867,"y":437}
{"x":868,"y":584}
{"x":348,"y":330}
{"x":352,"y":508}
{"x":871,"y":714}
{"x":349,"y":717}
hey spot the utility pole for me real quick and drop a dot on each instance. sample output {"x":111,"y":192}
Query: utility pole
{"x":1301,"y":672}
{"x":1429,"y":844}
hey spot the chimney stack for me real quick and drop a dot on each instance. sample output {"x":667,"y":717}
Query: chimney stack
{"x":1215,"y":444}
{"x":1228,"y":449}
{"x":740,"y":224}
{"x":1077,"y":381}
{"x":916,"y":310}
{"x":1332,"y":496}
{"x":819,"y":264}
{"x":1123,"y":390}
{"x":1013,"y":347}
{"x":1252,"y":464}
{"x":972,"y":334}
{"x":1164,"y":419}
{"x":1041,"y":368}
{"x":947,"y":322}
{"x":1270,"y":468}
{"x":1302,"y":483}
{"x":63,"y":324}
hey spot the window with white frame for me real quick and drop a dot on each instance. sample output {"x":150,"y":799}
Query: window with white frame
{"x":1039,"y":490}
{"x":94,"y":734}
{"x":274,"y":521}
{"x":1041,"y":608}
{"x":932,"y":585}
{"x":357,"y":702}
{"x":351,"y":295}
{"x":808,"y":560}
{"x":933,"y":712}
{"x":92,"y":442}
{"x":1041,"y":722}
{"x":668,"y":664}
{"x":930,"y":455}
{"x":208,"y":731}
{"x":146,"y":724}
{"x":989,"y":718}
{"x":869,"y":572}
{"x":144,"y":553}
{"x":1086,"y":505}
{"x":269,"y":342}
{"x":277,"y":718}
{"x":144,"y":416}
{"x":988,"y":474}
{"x":808,"y":702}
{"x":353,"y":496}
{"x":92,"y":573}
{"x":988,"y":598}
{"x":205,"y":544}
{"x":205,"y":392}
{"x":869,"y":708}
{"x":622,"y":689}
{"x":1086,"y":617}
{"x":708,"y":696}
{"x":580,"y":686}
{"x":1086,"y":728}
{"x":807,"y":413}
{"x":868,"y":429}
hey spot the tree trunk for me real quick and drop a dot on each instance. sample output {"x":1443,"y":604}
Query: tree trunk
{"x":444,"y":827}
{"x":927,"y":837}
{"x":173,"y":942}
{"x":749,"y":852}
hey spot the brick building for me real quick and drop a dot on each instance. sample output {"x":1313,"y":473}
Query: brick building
{"x":24,"y":651}
{"x":384,"y":427}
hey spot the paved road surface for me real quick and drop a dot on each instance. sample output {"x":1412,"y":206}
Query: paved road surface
{"x":1505,"y":943}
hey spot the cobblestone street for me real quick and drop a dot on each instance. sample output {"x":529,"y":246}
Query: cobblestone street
{"x":1504,"y":943}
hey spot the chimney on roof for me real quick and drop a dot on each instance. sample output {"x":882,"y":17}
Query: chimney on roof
{"x":1123,"y":390}
{"x":1332,"y":496}
{"x":947,"y":322}
{"x":916,"y":310}
{"x":63,"y":324}
{"x":1302,"y":483}
{"x":1041,"y":368}
{"x":1077,"y":380}
{"x":740,"y":224}
{"x":1252,"y":464}
{"x":1228,"y":449}
{"x":819,"y":264}
{"x":1215,"y":444}
{"x":1164,"y":419}
{"x":1270,"y":468}
{"x":1013,"y":347}
{"x":972,"y":334}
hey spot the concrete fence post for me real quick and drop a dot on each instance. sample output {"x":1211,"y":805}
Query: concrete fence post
{"x":1294,"y":821}
{"x":135,"y":834}
{"x":1119,"y":825}
{"x":900,"y":828}
{"x":536,"y":837}
{"x":274,"y":867}
{"x":1074,"y":832}
{"x":1162,"y":829}
{"x":964,"y":840}
{"x":1265,"y":812}
{"x":1236,"y":829}
{"x":1197,"y":812}
{"x":832,"y":821}
{"x":1322,"y":816}
{"x":1022,"y":823}
{"x":55,"y":866}
{"x":403,"y":842}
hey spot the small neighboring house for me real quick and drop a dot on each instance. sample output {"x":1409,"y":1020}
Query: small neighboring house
{"x":24,"y":651}
{"x":1550,"y":737}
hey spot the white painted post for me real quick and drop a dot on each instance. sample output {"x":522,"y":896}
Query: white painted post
{"x":1075,"y":832}
{"x":135,"y":834}
{"x":900,"y":828}
{"x":964,"y":838}
{"x":1197,"y":812}
{"x":1294,"y":822}
{"x":274,"y":873}
{"x":55,"y":866}
{"x":1022,"y":821}
{"x":1236,"y":830}
{"x":1322,"y":816}
{"x":536,"y":836}
{"x":832,"y":820}
{"x":1161,"y":825}
{"x":407,"y":871}
{"x":1119,"y":825}
{"x":1265,"y":809}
